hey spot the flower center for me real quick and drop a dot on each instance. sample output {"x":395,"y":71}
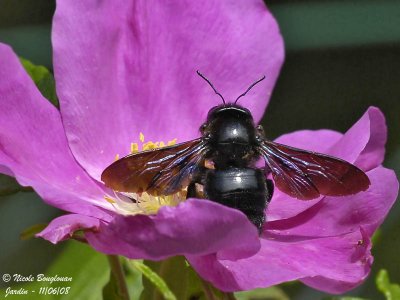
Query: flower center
{"x":144,"y":203}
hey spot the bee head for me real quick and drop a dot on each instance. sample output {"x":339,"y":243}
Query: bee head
{"x":228,"y":111}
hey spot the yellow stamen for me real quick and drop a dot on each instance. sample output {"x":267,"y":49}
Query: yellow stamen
{"x":109,"y":200}
{"x":116,"y":157}
{"x":149,"y":146}
{"x":171,"y":143}
{"x":134,"y":148}
{"x":133,"y":204}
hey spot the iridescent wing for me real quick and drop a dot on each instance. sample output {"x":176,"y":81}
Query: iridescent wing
{"x":159,"y":171}
{"x":305,"y":175}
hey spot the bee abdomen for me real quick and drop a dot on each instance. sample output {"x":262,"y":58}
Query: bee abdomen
{"x":240,"y":188}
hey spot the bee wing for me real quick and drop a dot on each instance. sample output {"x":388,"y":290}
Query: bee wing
{"x":305,"y":175}
{"x":159,"y":171}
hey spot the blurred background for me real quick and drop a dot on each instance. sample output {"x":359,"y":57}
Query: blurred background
{"x":341,"y":58}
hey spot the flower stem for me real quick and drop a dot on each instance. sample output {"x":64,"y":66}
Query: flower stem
{"x":207,"y":290}
{"x":213,"y":293}
{"x":119,"y":275}
{"x":229,"y":296}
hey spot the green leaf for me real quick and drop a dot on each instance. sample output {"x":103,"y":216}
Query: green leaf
{"x":376,"y":236}
{"x":390,"y":290}
{"x":271,"y":293}
{"x":87,"y":268}
{"x":43,"y":79}
{"x":30,"y":232}
{"x":156,"y":280}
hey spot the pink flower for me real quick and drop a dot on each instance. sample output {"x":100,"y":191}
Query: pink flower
{"x":125,"y":67}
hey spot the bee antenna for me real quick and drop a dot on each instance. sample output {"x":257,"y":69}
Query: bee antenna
{"x":250,"y":87}
{"x":209,"y":82}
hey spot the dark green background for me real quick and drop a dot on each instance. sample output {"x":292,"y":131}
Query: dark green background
{"x":342,"y":57}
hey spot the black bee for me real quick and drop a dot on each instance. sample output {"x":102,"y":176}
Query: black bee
{"x":222,"y":160}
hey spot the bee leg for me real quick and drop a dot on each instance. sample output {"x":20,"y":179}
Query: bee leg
{"x":270,"y":189}
{"x":191,"y":190}
{"x":194,"y":190}
{"x":260,"y":220}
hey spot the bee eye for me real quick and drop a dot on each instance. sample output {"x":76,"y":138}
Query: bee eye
{"x":203,"y":127}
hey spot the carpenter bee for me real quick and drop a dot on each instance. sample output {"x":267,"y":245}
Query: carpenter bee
{"x":223,"y":160}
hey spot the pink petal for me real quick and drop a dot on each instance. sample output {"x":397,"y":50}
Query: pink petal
{"x":63,"y":227}
{"x":33,"y":146}
{"x":312,"y":140}
{"x":195,"y":227}
{"x":363,"y":144}
{"x":6,"y":171}
{"x":124,"y":67}
{"x":339,"y":215}
{"x":344,"y":259}
{"x":374,"y":152}
{"x":331,"y":284}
